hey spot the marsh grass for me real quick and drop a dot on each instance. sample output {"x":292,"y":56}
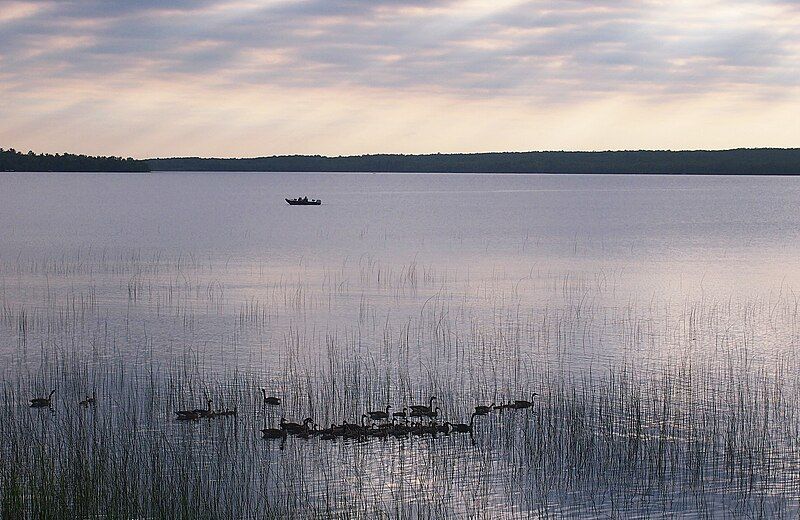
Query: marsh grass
{"x":645,"y":409}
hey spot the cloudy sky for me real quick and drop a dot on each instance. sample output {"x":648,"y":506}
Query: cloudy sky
{"x":261,"y":77}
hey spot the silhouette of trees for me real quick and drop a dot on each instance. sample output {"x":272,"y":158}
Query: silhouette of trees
{"x":754,"y":161}
{"x":12,"y":160}
{"x":742,"y":161}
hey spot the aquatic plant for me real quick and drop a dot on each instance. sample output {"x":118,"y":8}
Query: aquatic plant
{"x":696,"y":410}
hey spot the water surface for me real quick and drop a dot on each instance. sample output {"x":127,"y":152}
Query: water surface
{"x":478,"y":287}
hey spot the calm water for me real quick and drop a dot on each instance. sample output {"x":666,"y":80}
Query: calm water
{"x":729,"y":230}
{"x":666,"y":239}
{"x":573,"y":273}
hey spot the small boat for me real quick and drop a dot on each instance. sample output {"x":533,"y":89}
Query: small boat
{"x":304,"y":201}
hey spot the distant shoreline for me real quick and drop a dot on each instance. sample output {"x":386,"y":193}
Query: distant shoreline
{"x":755,"y":161}
{"x":740,"y":161}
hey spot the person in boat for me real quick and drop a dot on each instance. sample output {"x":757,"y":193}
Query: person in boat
{"x":305,"y":199}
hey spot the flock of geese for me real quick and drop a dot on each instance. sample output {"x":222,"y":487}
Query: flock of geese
{"x":417,"y":419}
{"x":414,"y":420}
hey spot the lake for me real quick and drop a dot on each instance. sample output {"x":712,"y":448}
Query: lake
{"x":654,"y":316}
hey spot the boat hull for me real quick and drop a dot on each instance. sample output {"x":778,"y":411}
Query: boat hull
{"x":295,"y":202}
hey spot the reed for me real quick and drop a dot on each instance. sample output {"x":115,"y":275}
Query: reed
{"x":644,"y":408}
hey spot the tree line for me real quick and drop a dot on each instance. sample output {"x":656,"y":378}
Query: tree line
{"x":744,"y":161}
{"x":13,"y":160}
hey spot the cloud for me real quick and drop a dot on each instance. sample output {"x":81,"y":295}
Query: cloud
{"x":484,"y":47}
{"x":523,"y":52}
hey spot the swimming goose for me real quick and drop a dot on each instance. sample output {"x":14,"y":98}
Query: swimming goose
{"x":521,"y":405}
{"x":199,"y":412}
{"x":421,"y":408}
{"x":380,"y":414}
{"x":465,"y":428}
{"x":272,"y":401}
{"x":483,"y":410}
{"x":89,"y":400}
{"x":292,"y":427}
{"x":42,"y":402}
{"x":274,"y":433}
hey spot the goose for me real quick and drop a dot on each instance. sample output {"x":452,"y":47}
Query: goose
{"x":272,"y":401}
{"x":292,"y":427}
{"x":426,"y":413}
{"x":465,"y":428}
{"x":483,"y":410}
{"x":89,"y":400}
{"x":380,"y":414}
{"x":188,"y":415}
{"x":42,"y":402}
{"x":207,"y":412}
{"x":199,"y":412}
{"x":521,"y":405}
{"x":274,"y":433}
{"x":354,"y":431}
{"x":422,"y":408}
{"x":339,"y":430}
{"x":401,"y":415}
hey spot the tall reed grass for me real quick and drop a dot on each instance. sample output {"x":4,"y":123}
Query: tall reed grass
{"x":644,"y":408}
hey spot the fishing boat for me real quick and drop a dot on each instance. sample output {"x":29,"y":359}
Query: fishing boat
{"x":304,"y":201}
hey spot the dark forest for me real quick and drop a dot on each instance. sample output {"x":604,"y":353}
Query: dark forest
{"x":744,"y":161}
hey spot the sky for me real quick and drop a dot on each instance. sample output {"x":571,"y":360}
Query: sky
{"x":231,"y":78}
